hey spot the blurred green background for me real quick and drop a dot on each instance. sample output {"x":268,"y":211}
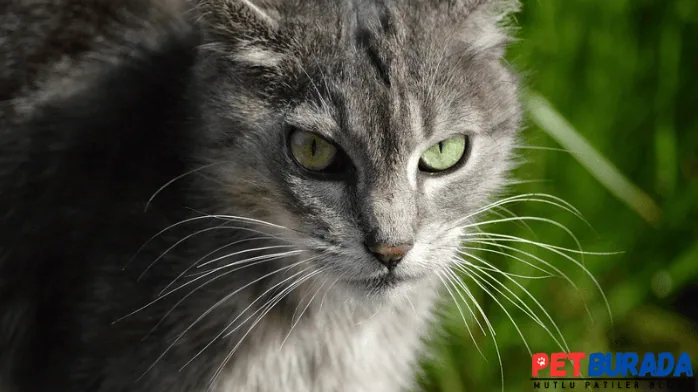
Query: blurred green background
{"x":611,"y":103}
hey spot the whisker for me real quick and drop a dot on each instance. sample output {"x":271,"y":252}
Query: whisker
{"x":487,"y":322}
{"x":274,"y":300}
{"x":409,"y":301}
{"x":179,"y":177}
{"x":536,"y":318}
{"x":207,"y":273}
{"x":217,"y":259}
{"x":211,"y":253}
{"x":528,"y":311}
{"x":198,"y":218}
{"x":214,"y":306}
{"x":548,"y":273}
{"x":557,"y":250}
{"x":241,"y":313}
{"x":460,"y":310}
{"x":510,"y":238}
{"x":530,"y":197}
{"x":513,"y":215}
{"x":458,"y":283}
{"x":248,"y":262}
{"x":172,"y":226}
{"x":540,"y":260}
{"x":327,"y":291}
{"x":271,"y":257}
{"x":293,"y":318}
{"x":531,"y":218}
{"x":542,"y":148}
{"x":232,"y":352}
{"x":168,"y":250}
{"x":235,"y":218}
{"x":534,"y":257}
{"x":478,"y":280}
{"x":519,"y":182}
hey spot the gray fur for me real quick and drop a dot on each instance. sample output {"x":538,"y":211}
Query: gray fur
{"x":384,"y":80}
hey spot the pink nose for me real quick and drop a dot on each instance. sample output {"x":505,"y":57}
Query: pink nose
{"x":389,"y":255}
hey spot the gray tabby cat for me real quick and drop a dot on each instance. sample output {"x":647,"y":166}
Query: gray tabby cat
{"x":239,"y":195}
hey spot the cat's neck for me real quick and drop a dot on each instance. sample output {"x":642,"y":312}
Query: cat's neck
{"x":324,"y":338}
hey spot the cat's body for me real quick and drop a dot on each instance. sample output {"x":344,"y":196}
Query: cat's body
{"x":97,"y":116}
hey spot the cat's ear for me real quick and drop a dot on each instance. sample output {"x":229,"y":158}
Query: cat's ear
{"x":486,"y":24}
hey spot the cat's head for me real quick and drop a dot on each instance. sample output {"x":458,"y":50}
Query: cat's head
{"x":370,"y":129}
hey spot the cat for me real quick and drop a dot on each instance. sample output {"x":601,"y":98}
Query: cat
{"x":240,"y":195}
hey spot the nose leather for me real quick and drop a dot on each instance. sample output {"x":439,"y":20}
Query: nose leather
{"x":389,"y":255}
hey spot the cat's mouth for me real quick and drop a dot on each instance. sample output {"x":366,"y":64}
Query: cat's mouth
{"x":382,"y":282}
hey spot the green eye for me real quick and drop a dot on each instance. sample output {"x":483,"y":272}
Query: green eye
{"x":312,"y":151}
{"x":443,"y":155}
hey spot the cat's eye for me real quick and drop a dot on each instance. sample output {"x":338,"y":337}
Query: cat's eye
{"x":444,"y":155}
{"x":311,"y":151}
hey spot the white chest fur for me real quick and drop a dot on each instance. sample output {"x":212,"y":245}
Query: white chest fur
{"x":333,"y":352}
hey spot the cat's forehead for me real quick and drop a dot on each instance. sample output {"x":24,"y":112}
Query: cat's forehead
{"x":386,"y":75}
{"x":381,"y":95}
{"x":369,"y":120}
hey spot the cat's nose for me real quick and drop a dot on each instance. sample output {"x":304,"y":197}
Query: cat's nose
{"x":389,"y":255}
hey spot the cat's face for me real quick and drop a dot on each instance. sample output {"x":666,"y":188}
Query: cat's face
{"x":370,"y":133}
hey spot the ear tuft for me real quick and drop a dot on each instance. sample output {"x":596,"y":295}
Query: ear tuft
{"x":488,"y":26}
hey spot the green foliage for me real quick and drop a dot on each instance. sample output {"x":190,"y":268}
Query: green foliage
{"x":612,"y":102}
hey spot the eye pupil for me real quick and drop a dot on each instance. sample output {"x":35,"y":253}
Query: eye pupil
{"x":315,"y":153}
{"x":444,"y":155}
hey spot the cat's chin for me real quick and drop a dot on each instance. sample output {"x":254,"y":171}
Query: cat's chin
{"x":382,"y":287}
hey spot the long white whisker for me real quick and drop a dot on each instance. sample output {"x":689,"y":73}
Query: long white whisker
{"x":509,"y":238}
{"x":232,"y":352}
{"x":460,"y":310}
{"x":542,"y":148}
{"x":172,"y":226}
{"x":540,"y":260}
{"x":556,"y":250}
{"x":526,"y":309}
{"x":198,"y":218}
{"x":278,"y":296}
{"x":536,"y":318}
{"x":548,"y":273}
{"x":478,"y":280}
{"x":160,"y":297}
{"x":487,"y":322}
{"x":235,"y":218}
{"x":532,"y":197}
{"x":532,"y":256}
{"x":168,"y":250}
{"x":248,"y":262}
{"x":456,"y":284}
{"x":214,"y":306}
{"x":241,"y":252}
{"x":168,"y":183}
{"x":327,"y":291}
{"x":297,"y":320}
{"x":223,"y":331}
{"x":531,"y":218}
{"x":513,"y":215}
{"x":192,"y":265}
{"x":270,"y":257}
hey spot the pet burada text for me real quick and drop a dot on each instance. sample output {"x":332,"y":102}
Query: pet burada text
{"x":628,"y":364}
